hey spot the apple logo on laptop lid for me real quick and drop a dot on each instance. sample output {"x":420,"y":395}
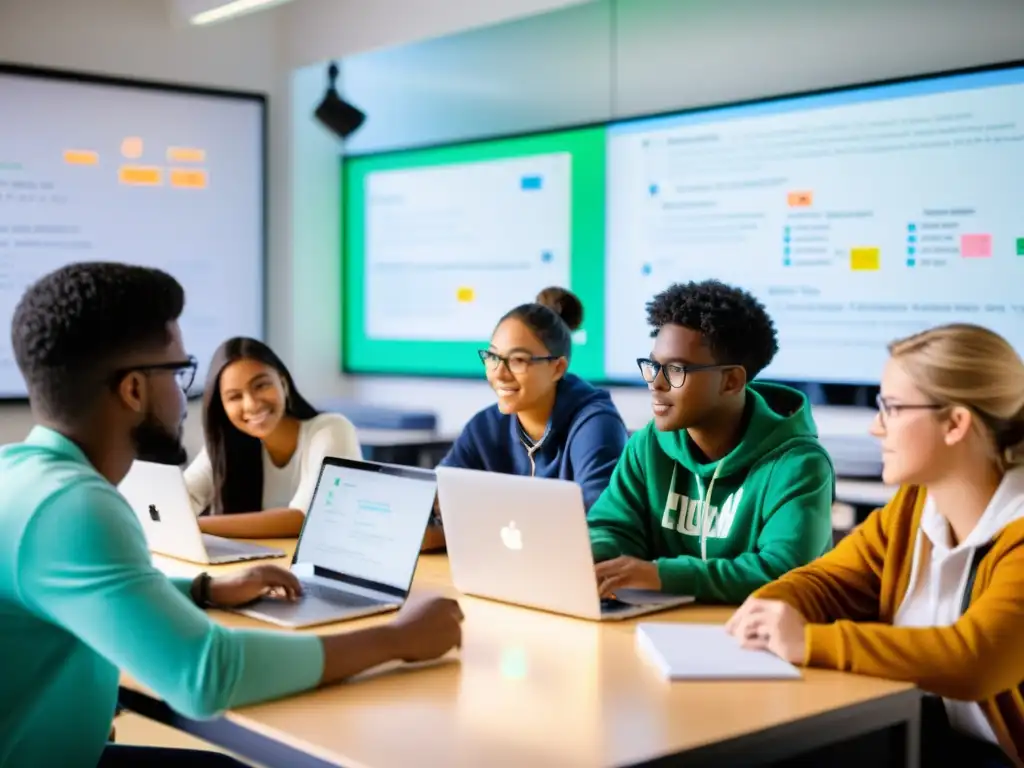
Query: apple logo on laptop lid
{"x":154,"y":513}
{"x":512,"y":537}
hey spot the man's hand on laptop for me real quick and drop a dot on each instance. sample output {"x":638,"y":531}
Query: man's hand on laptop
{"x":626,"y":573}
{"x":427,"y":629}
{"x":253,"y":583}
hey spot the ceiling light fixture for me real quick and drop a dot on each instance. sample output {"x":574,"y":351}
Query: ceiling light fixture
{"x":230,"y":10}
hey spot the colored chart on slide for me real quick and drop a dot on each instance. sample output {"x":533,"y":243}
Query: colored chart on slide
{"x":440,"y":243}
{"x":856,"y":216}
{"x":98,"y":172}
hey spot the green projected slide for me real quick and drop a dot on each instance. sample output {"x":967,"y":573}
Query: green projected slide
{"x":439,"y":243}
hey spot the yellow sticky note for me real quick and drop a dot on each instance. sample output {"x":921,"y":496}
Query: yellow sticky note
{"x":862,"y":259}
{"x":464,"y":295}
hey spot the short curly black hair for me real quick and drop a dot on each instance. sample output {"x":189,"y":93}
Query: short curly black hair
{"x":71,"y":326}
{"x":734,"y":323}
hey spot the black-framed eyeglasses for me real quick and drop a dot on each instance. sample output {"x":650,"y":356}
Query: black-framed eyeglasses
{"x":675,"y":373}
{"x":518,"y":362}
{"x":184,"y":371}
{"x":887,"y":408}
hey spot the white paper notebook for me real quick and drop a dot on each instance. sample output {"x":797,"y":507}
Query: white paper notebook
{"x":707,"y":652}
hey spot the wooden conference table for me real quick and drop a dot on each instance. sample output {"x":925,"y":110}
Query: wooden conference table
{"x":534,"y":689}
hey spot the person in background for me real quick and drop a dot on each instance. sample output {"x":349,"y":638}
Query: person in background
{"x":80,"y":601}
{"x":264,"y":446}
{"x":727,"y":487}
{"x":547,"y":422}
{"x":930,"y":588}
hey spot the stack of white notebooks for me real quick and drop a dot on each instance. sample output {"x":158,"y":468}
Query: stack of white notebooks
{"x":706,"y":652}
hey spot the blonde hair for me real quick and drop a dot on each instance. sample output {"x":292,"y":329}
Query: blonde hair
{"x":971,"y":366}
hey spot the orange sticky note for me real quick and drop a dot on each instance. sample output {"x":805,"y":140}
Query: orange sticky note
{"x":81,"y":157}
{"x":131,"y":147}
{"x":186,"y":155}
{"x":188,"y":178}
{"x":801,"y":199}
{"x":140,"y":175}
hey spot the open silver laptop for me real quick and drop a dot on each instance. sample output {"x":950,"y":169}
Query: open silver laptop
{"x":359,"y":544}
{"x":158,"y":494}
{"x":524,"y":540}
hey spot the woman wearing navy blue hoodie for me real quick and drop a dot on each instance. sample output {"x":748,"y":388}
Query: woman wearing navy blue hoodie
{"x":547,"y":422}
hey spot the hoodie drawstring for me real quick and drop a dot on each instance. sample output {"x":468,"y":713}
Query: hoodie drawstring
{"x":531,"y":448}
{"x":705,"y":502}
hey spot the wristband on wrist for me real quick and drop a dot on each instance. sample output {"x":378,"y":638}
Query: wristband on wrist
{"x":200,"y":591}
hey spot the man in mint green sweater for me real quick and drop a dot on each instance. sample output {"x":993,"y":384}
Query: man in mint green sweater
{"x":728,"y":487}
{"x":101,"y":353}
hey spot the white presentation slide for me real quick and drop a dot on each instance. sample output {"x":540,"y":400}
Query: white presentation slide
{"x":367,"y":524}
{"x":96,"y":172}
{"x":451,"y":248}
{"x":856,"y":217}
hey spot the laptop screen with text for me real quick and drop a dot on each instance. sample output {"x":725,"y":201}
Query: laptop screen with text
{"x":367,"y":524}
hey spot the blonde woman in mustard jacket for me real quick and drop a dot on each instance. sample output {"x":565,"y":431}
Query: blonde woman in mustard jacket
{"x":930,"y":589}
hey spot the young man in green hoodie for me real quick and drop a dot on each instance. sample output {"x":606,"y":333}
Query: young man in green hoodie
{"x":728,"y":487}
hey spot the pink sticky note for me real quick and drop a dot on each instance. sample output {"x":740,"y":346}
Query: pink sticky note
{"x":975,"y":246}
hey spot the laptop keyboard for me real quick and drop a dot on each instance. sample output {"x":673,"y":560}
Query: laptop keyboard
{"x":220,"y":547}
{"x":611,"y":605}
{"x":337,"y":597}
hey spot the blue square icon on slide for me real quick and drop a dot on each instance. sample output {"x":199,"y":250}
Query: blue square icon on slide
{"x":911,"y":238}
{"x":911,"y":227}
{"x":911,"y":250}
{"x":911,"y":262}
{"x":786,"y":250}
{"x":645,"y":269}
{"x":653,"y":189}
{"x":546,"y":257}
{"x":531,"y":182}
{"x":786,"y":262}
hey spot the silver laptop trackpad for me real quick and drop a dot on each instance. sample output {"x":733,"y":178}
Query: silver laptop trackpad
{"x":217,"y":546}
{"x":312,"y":607}
{"x":640,"y":597}
{"x":309,"y":608}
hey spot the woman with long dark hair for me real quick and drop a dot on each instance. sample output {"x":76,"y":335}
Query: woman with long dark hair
{"x":264,"y":446}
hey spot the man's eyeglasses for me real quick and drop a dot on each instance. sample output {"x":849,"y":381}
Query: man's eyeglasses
{"x":184,"y":371}
{"x":887,"y":408}
{"x":517,"y":363}
{"x":675,"y":373}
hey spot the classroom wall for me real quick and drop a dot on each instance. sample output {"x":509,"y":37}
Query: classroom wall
{"x":315,"y":30}
{"x":668,"y":54}
{"x":145,"y":38}
{"x":137,"y":38}
{"x":589,"y":62}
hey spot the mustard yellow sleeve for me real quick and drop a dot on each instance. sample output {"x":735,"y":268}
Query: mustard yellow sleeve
{"x":846,"y":582}
{"x":972,"y":660}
